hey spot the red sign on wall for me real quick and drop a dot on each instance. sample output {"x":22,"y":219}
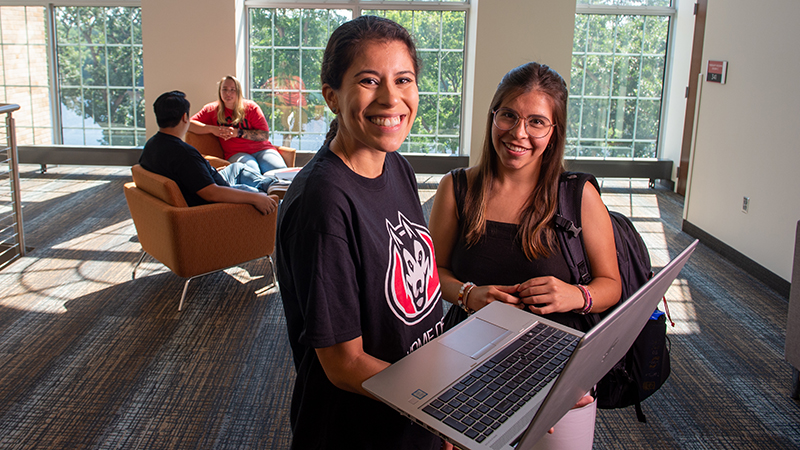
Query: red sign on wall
{"x":717,"y":71}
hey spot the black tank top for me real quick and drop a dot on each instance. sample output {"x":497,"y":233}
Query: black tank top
{"x":498,"y":258}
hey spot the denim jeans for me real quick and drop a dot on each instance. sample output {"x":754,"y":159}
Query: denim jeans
{"x":241,"y":176}
{"x":262,"y":161}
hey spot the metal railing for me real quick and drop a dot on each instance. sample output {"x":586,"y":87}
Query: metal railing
{"x":12,"y":236}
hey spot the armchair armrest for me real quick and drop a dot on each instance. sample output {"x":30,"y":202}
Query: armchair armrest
{"x":289,"y":154}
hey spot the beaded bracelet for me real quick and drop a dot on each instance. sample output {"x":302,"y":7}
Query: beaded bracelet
{"x":466,"y":288}
{"x":587,"y":300}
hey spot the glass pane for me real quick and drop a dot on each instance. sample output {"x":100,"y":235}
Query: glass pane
{"x":10,"y":19}
{"x":625,"y":2}
{"x":426,"y":29}
{"x":595,"y":114}
{"x":452,"y":72}
{"x":287,"y":27}
{"x":600,"y":34}
{"x":453,"y":30}
{"x":652,"y":76}
{"x":317,"y":27}
{"x":93,"y":65}
{"x":644,"y":150}
{"x":118,"y":25}
{"x":121,"y":104}
{"x":141,"y":107}
{"x":121,"y":60}
{"x":428,"y":81}
{"x":72,"y":108}
{"x":629,"y":34}
{"x":123,"y":137}
{"x":92,"y":23}
{"x":138,"y":66}
{"x":95,"y":108}
{"x":18,"y":56}
{"x":619,"y":149}
{"x":598,"y":75}
{"x":426,"y":121}
{"x":67,"y":30}
{"x":69,"y":63}
{"x":621,"y":119}
{"x":312,"y":61}
{"x":260,"y":27}
{"x":626,"y":76}
{"x":136,"y":26}
{"x":450,"y":120}
{"x":260,"y":68}
{"x":648,"y":119}
{"x":72,"y":136}
{"x":576,"y":75}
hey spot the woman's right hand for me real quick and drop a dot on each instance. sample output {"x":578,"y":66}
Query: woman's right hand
{"x":481,"y":296}
{"x":224,"y":133}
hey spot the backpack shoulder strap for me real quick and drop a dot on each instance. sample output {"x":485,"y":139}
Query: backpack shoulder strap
{"x":568,"y":223}
{"x":459,"y":189}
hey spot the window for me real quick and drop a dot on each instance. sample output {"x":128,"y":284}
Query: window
{"x":100,"y":76}
{"x":24,"y":78}
{"x":617,"y":79}
{"x":286,"y":47}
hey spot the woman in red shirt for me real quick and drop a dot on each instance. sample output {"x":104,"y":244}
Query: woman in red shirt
{"x":240,"y":126}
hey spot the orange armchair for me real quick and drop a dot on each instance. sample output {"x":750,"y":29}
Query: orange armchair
{"x":195,"y":241}
{"x":208,"y":145}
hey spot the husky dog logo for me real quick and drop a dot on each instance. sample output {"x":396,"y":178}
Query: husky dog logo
{"x":412,"y":281}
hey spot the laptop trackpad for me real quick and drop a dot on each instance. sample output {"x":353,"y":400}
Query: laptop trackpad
{"x":474,"y":338}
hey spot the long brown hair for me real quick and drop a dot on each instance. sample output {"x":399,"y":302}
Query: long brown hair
{"x":347,"y":41}
{"x":238,"y":108}
{"x":536,"y":234}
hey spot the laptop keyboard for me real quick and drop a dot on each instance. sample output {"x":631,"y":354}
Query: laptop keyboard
{"x":483,"y":400}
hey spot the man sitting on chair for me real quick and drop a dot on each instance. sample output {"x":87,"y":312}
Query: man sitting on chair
{"x":168,"y":155}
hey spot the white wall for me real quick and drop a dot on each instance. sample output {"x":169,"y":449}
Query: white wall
{"x":748,"y":132}
{"x":188,"y":46}
{"x":511,"y":33}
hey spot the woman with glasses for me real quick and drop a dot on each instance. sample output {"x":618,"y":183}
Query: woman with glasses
{"x":240,"y":126}
{"x":493,"y":224}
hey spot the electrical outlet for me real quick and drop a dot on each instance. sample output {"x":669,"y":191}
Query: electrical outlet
{"x":745,"y":204}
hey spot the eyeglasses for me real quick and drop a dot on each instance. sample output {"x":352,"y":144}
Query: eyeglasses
{"x":536,"y":126}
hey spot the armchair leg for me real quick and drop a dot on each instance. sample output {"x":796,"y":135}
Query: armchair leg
{"x":183,"y":296}
{"x":141,"y":258}
{"x":274,"y":274}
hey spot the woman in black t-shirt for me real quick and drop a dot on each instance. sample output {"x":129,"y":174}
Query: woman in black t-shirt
{"x":354,"y":300}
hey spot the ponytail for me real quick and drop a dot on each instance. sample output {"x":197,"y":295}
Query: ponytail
{"x":334,"y":128}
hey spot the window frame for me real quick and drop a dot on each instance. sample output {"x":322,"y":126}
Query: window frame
{"x":661,"y":11}
{"x":357,"y":7}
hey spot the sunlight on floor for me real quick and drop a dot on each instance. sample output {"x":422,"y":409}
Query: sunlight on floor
{"x":47,"y":284}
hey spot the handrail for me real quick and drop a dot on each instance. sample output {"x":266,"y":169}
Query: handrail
{"x":8,"y":107}
{"x":14,"y":185}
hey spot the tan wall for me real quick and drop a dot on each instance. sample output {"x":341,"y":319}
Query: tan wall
{"x":511,"y":33}
{"x":748,"y":134}
{"x":188,"y":46}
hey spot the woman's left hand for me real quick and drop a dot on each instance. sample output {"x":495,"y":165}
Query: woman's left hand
{"x":546,"y":295}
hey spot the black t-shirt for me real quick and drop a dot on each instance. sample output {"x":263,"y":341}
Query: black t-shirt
{"x":169,"y":156}
{"x":354,"y":258}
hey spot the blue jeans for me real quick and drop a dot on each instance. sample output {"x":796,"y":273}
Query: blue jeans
{"x":262,"y":161}
{"x":242,"y":177}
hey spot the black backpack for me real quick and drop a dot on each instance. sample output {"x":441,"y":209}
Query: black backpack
{"x":646,"y":365}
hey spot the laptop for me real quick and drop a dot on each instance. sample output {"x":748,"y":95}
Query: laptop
{"x":501,"y":378}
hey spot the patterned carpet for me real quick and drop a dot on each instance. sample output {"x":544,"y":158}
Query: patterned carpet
{"x":90,"y":359}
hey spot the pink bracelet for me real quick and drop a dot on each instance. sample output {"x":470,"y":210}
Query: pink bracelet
{"x":587,"y":301}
